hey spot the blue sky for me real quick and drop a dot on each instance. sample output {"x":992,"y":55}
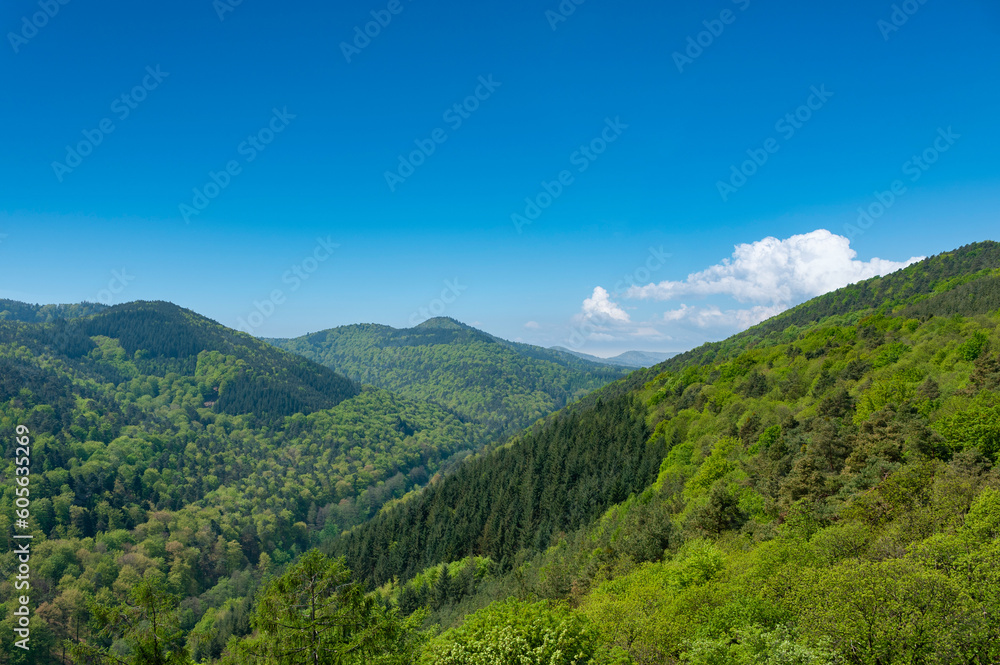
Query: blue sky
{"x":267,"y":91}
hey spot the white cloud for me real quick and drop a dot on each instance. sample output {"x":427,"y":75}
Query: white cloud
{"x":715,"y":317}
{"x":649,"y":332}
{"x":679,"y":314}
{"x":599,"y":306}
{"x":760,"y":280}
{"x":532,"y":325}
{"x":777,"y":272}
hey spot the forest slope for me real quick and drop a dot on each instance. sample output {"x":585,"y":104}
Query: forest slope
{"x":502,"y":386}
{"x":162,"y":440}
{"x":827,"y":492}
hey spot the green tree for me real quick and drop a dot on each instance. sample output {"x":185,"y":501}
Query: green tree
{"x":519,"y":632}
{"x":316,"y":614}
{"x":145,"y":630}
{"x":443,"y":588}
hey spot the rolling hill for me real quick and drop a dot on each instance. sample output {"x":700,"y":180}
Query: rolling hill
{"x":499,"y":385}
{"x":630,"y":359}
{"x":162,"y":439}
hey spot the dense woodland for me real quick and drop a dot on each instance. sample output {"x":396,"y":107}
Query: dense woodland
{"x":820,"y":489}
{"x":164,"y":442}
{"x":500,"y":386}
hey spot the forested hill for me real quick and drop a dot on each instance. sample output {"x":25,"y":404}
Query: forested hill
{"x":163,"y":442}
{"x":821,"y":489}
{"x":502,"y":386}
{"x":156,"y":338}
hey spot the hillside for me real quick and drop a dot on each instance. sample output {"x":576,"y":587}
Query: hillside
{"x":826,"y":491}
{"x":820,"y":489}
{"x":499,"y":385}
{"x":164,"y":441}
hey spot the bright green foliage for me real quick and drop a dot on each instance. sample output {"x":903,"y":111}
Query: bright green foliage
{"x":647,"y":612}
{"x":972,"y":349}
{"x":895,"y":390}
{"x":895,"y":611}
{"x":315,"y":614}
{"x":755,"y":645}
{"x":827,"y":496}
{"x":517,"y":632}
{"x":143,"y":631}
{"x":889,"y":354}
{"x":977,"y":427}
{"x":822,"y":488}
{"x":439,"y":585}
{"x":716,"y":466}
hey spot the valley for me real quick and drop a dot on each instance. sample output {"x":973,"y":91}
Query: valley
{"x":800,"y":487}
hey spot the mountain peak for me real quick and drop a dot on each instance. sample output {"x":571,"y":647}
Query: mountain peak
{"x":442,"y":323}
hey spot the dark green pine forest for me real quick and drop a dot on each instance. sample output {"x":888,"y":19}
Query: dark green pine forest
{"x":820,"y":489}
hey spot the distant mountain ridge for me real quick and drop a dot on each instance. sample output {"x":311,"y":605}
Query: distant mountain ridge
{"x":631,"y":359}
{"x":501,"y":385}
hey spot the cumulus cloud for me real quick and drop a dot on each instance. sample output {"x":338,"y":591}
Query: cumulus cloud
{"x":715,"y":317}
{"x":532,"y":325}
{"x":776,"y":272}
{"x":600,"y":306}
{"x":760,"y":280}
{"x":679,"y":314}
